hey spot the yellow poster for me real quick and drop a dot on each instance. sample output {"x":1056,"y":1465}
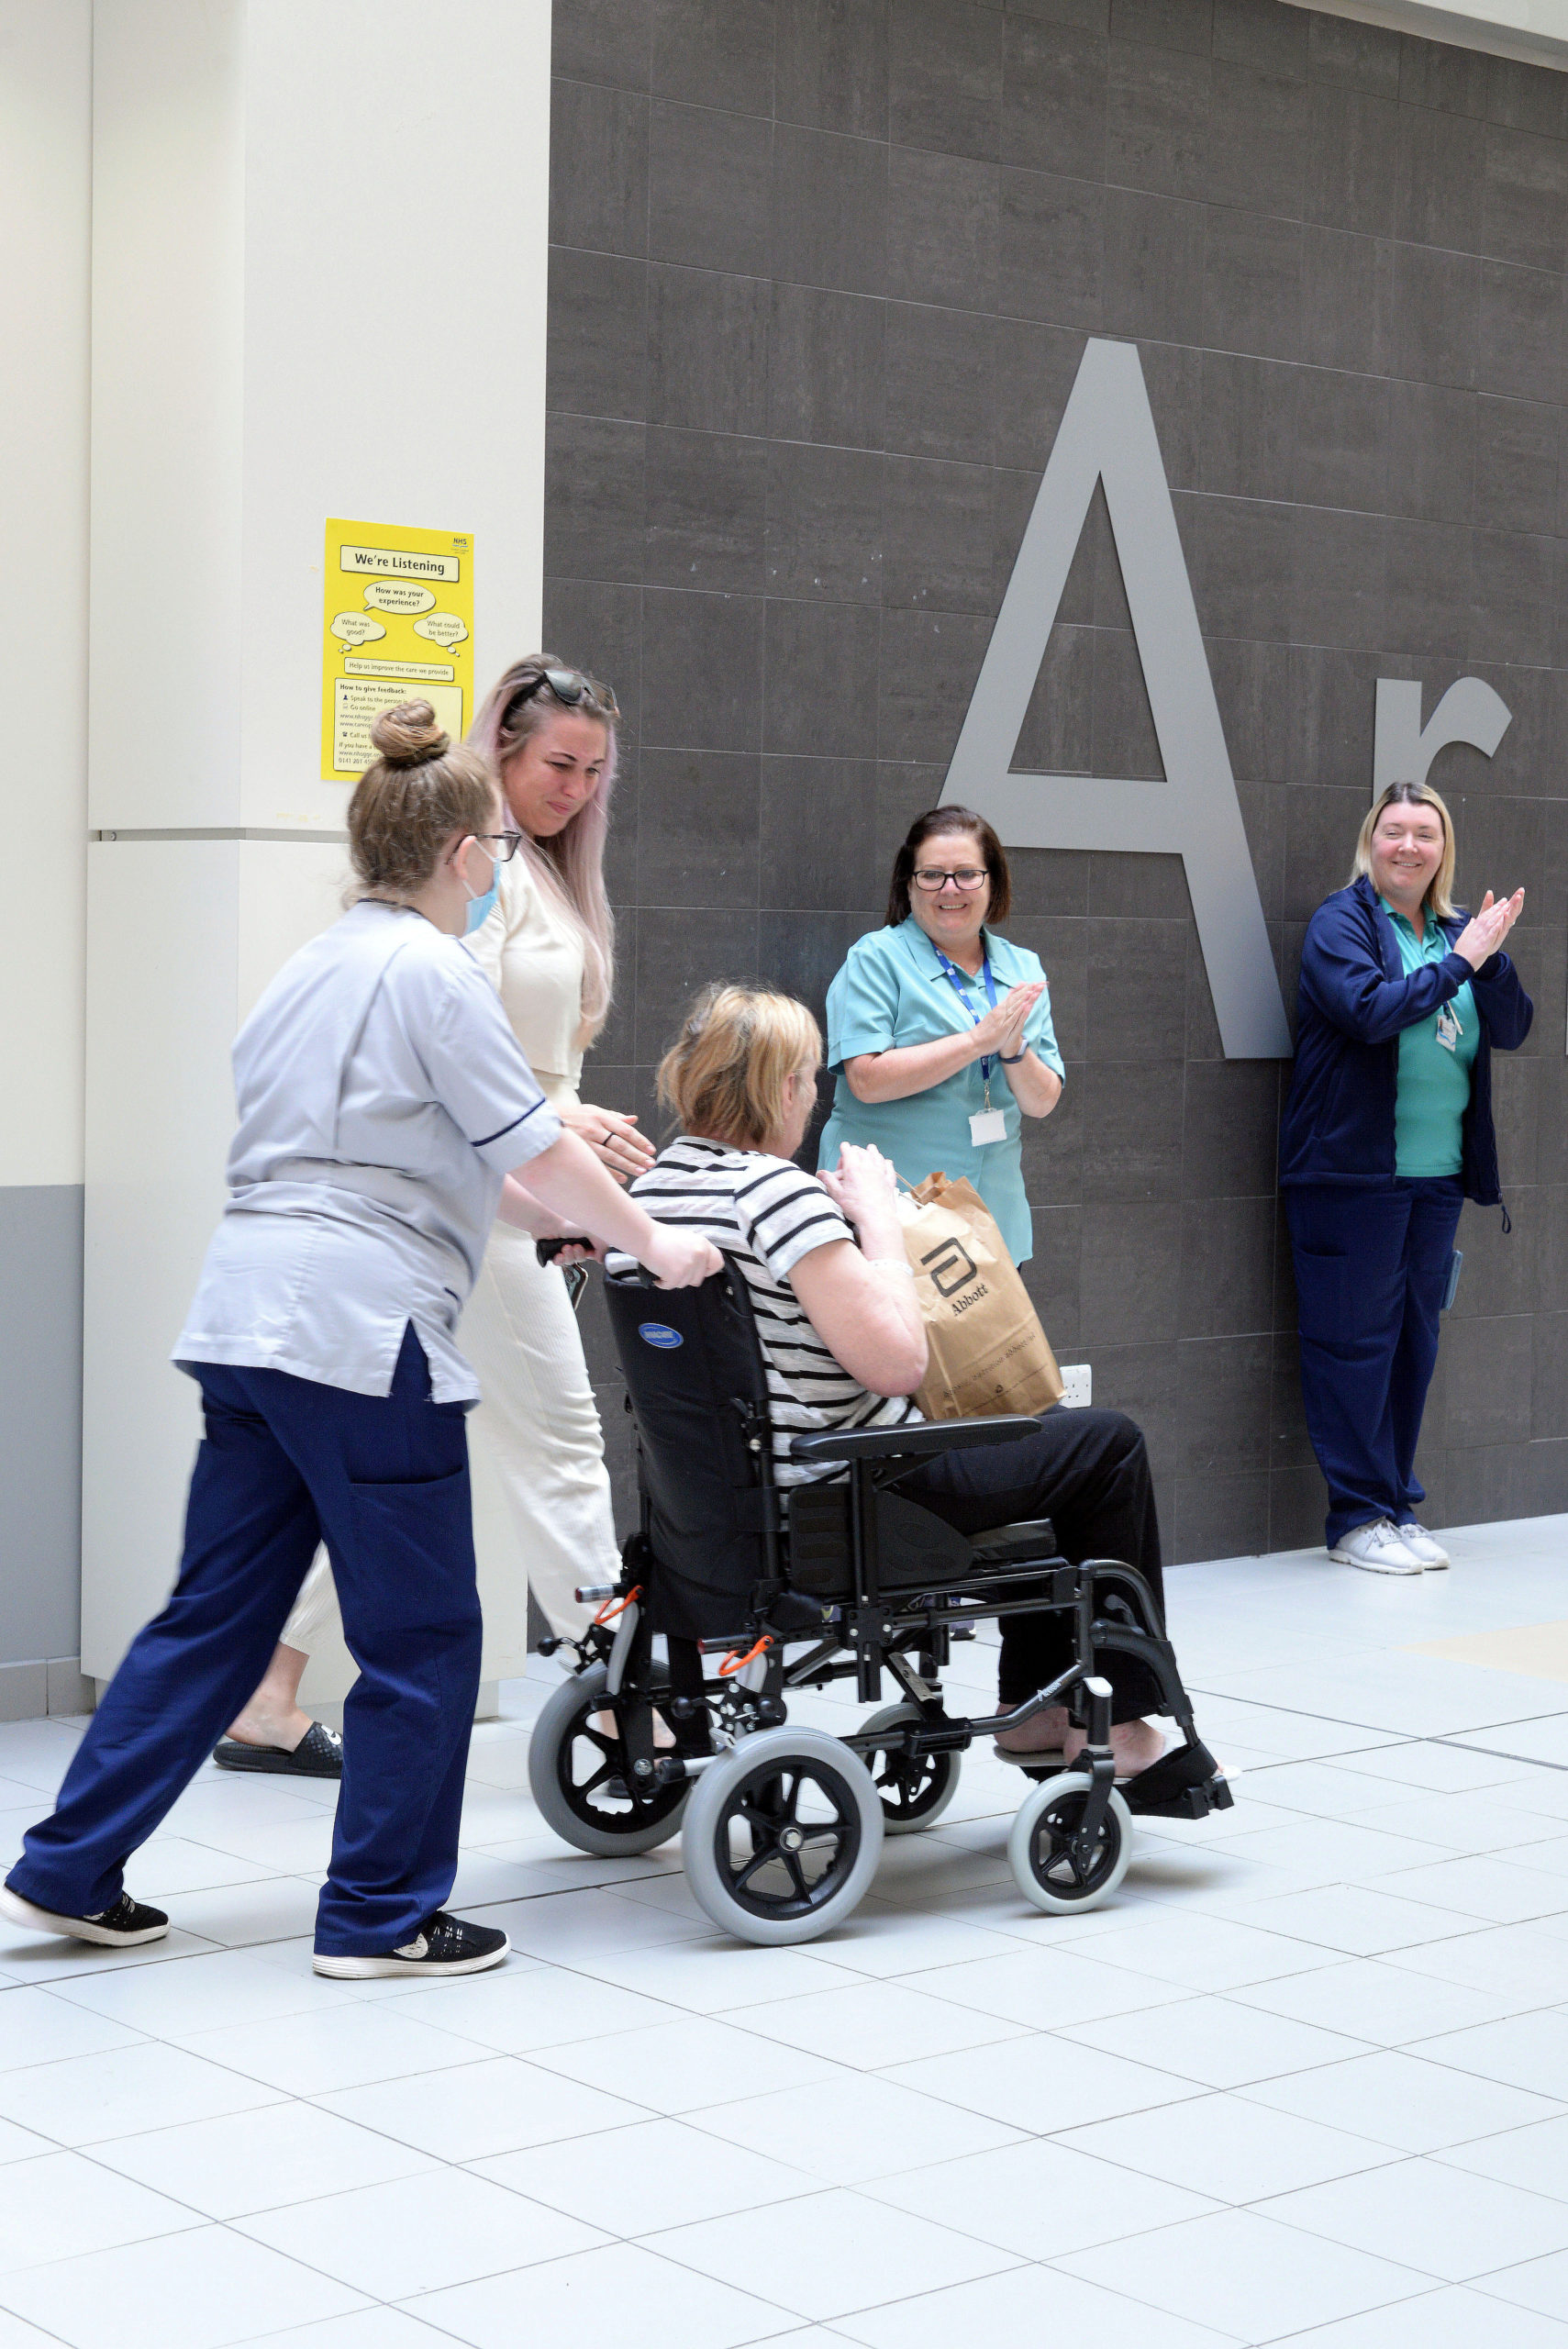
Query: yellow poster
{"x":398,"y":626}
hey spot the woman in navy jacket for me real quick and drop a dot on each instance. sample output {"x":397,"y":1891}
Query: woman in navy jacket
{"x":1387,"y":1131}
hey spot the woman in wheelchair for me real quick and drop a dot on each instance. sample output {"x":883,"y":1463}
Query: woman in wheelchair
{"x":801,"y":1520}
{"x":844,"y":1347}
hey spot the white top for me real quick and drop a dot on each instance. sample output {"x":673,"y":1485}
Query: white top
{"x":382,"y":1100}
{"x":532,"y":950}
{"x":767,"y":1214}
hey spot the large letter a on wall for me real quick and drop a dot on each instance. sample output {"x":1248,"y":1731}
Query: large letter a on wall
{"x":1108,"y":435}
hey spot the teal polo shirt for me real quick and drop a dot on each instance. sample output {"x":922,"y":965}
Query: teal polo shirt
{"x":1434,"y":1078}
{"x":892,"y":992}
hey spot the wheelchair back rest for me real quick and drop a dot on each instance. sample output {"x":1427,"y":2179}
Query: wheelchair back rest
{"x":689,"y":1356}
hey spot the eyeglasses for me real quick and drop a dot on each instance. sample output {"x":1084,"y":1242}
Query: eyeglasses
{"x":569,"y":686}
{"x":931,"y":879}
{"x":506,"y":844}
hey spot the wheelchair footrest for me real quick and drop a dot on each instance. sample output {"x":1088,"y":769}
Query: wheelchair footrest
{"x":1193,"y":1802}
{"x":1183,"y":1784}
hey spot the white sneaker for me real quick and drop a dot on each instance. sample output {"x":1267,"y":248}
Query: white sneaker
{"x":1378,"y":1548}
{"x":1419,"y":1541}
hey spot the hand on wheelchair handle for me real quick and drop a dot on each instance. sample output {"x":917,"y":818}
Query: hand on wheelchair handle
{"x":682,"y":1259}
{"x":550,"y":1251}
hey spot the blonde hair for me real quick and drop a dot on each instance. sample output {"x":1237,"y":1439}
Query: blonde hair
{"x":570,"y":869}
{"x":724,"y":1076}
{"x":421,"y":793}
{"x":1439,"y":899}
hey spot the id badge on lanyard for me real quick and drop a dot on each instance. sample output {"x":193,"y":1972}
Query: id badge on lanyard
{"x":1450,"y":1028}
{"x":986,"y":1125}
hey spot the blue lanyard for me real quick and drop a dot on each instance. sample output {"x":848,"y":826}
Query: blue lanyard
{"x":952,"y":972}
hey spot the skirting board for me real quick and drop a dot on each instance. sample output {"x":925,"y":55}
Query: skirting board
{"x":28,"y":1692}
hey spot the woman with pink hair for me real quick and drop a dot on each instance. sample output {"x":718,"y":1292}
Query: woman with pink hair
{"x":542,"y":1515}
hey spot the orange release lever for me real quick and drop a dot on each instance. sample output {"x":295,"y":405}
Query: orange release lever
{"x":733,"y":1663}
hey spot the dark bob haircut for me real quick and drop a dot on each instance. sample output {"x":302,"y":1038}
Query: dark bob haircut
{"x":926,"y":827}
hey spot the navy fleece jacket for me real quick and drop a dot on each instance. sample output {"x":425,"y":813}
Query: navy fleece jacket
{"x":1355,"y":999}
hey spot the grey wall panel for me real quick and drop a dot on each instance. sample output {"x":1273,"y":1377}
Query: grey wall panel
{"x":40,"y":1421}
{"x":826,"y":272}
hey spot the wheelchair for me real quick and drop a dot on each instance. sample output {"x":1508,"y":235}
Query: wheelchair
{"x":727,"y":1581}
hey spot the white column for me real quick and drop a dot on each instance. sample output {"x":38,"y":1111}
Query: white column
{"x":319,"y":259}
{"x":46,"y":101}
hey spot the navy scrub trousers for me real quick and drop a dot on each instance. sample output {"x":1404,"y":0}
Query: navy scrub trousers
{"x":1370,"y":1268}
{"x":286,"y":1463}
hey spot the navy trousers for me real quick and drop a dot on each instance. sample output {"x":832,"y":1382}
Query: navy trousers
{"x":1371,"y":1267}
{"x":286,"y":1463}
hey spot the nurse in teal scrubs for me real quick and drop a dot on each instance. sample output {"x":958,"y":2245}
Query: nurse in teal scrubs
{"x":939,"y":1030}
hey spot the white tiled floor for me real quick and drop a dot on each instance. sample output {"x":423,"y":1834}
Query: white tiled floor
{"x":1305,"y":2081}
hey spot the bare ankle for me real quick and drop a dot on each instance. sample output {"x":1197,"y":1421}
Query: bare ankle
{"x":1136,"y":1745}
{"x":1041,"y":1734}
{"x":282,"y":1730}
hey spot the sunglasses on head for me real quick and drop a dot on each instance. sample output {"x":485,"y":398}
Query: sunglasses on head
{"x":569,"y":688}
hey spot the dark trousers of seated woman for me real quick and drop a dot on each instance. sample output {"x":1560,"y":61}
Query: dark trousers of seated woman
{"x":1088,"y":1472}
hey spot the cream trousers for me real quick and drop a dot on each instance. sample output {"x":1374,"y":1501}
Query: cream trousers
{"x":542,"y":1496}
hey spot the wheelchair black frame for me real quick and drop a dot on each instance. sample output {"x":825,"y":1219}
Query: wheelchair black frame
{"x":883,"y":1631}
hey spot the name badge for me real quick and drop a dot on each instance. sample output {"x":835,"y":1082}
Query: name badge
{"x":1449,"y":1030}
{"x":987,"y":1125}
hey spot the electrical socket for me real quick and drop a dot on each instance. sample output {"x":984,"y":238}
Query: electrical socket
{"x":1078,"y":1385}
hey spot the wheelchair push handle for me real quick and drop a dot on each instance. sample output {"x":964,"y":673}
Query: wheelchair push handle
{"x":547,"y":1251}
{"x":640,"y":1277}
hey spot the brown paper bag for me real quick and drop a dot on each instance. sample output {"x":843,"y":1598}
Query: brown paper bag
{"x":987,"y":1351}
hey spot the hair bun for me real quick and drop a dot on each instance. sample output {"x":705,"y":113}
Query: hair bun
{"x":410,"y":735}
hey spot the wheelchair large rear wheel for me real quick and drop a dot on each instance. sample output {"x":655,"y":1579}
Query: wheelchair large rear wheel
{"x":1046,"y":1868}
{"x":577,"y":1776}
{"x":782,"y":1837}
{"x":913,"y":1793}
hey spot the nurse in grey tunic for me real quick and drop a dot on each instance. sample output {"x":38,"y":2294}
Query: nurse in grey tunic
{"x":383,"y":1103}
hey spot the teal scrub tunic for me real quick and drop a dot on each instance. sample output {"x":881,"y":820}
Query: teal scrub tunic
{"x":892,"y":992}
{"x":1436,"y":1060}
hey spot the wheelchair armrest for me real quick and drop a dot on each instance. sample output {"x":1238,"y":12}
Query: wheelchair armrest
{"x":925,"y":1436}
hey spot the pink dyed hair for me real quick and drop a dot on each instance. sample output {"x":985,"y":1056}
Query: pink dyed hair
{"x":571,"y":867}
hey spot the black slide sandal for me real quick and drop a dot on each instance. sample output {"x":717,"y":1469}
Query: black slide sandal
{"x":1170,"y":1787}
{"x":318,"y":1755}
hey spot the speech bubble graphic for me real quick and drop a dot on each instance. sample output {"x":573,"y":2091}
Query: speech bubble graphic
{"x":353,"y":627}
{"x":444,"y":628}
{"x":397,"y":595}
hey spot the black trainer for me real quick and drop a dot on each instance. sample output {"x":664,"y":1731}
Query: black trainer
{"x":443,"y":1944}
{"x":121,"y":1927}
{"x":318,"y":1755}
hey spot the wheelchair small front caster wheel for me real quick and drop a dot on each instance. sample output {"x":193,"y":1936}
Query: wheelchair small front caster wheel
{"x":913,"y":1793}
{"x":782,"y":1837}
{"x":578,"y":1775}
{"x":1040,"y":1849}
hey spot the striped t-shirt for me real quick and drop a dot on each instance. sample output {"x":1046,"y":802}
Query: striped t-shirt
{"x":767,"y":1214}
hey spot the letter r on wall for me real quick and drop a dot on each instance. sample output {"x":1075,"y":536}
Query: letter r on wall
{"x":1108,"y":435}
{"x":1403,"y":748}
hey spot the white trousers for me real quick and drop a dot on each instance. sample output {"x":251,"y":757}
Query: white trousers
{"x":543,"y":1516}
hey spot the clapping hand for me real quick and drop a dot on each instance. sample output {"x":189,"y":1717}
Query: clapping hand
{"x":1002,"y":1029}
{"x":862,"y":1181}
{"x":1484,"y":932}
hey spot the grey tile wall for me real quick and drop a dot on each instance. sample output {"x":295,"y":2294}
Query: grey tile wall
{"x":824,"y":271}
